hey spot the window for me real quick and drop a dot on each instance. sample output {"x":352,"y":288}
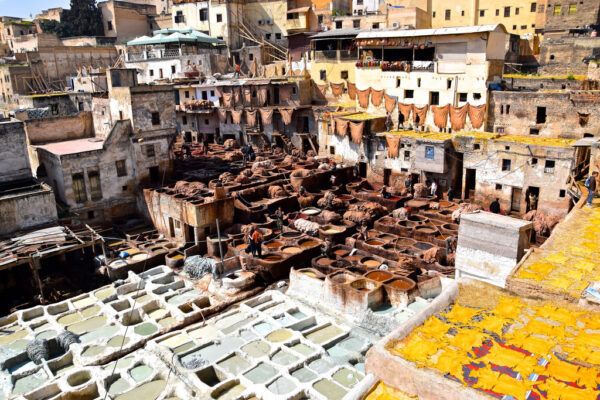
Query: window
{"x":95,"y":189}
{"x":206,"y":122}
{"x":204,"y":14}
{"x":278,"y":36}
{"x":429,"y":152}
{"x":356,"y":23}
{"x":507,"y":109}
{"x":462,"y":13}
{"x":124,"y":188}
{"x":212,"y":93}
{"x":173,"y":69}
{"x":338,"y":24}
{"x":533,"y":7}
{"x":80,"y":106}
{"x":433,"y":14}
{"x":540,"y":117}
{"x":121,"y":169}
{"x":322,"y":75}
{"x":514,"y":27}
{"x":160,"y":73}
{"x":398,"y":81}
{"x":476,"y":146}
{"x":344,"y":74}
{"x":499,"y":129}
{"x":155,"y":118}
{"x":151,"y":72}
{"x":251,"y":56}
{"x":434,"y":98}
{"x":542,"y":8}
{"x":109,"y":25}
{"x":184,"y":120}
{"x":572,"y":8}
{"x":406,"y":155}
{"x":482,"y":13}
{"x":523,"y":26}
{"x":447,"y":15}
{"x":320,"y":19}
{"x":557,"y":10}
{"x":534,"y":161}
{"x":219,"y":17}
{"x":179,"y":19}
{"x":506,"y":12}
{"x":79,"y":188}
{"x":375,"y":25}
{"x":501,"y":110}
{"x":462,"y":97}
{"x":187,"y":94}
{"x":449,"y":84}
{"x":418,"y":82}
{"x":149,"y":150}
{"x":498,"y":186}
{"x":552,"y":56}
{"x":54,"y":109}
{"x":516,"y":10}
{"x":505,"y":165}
{"x":497,"y":13}
{"x":549,"y":167}
{"x":562,"y":193}
{"x":91,"y":214}
{"x":476,"y":96}
{"x":268,"y":36}
{"x":409,"y":94}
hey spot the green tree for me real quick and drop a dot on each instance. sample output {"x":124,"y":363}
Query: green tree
{"x":61,"y":29}
{"x":85,"y":18}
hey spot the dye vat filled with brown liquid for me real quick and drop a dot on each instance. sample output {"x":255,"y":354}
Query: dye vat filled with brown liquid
{"x":379,"y":276}
{"x":308,"y":243}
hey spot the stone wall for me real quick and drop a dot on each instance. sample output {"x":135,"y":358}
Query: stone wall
{"x":27,"y":209}
{"x":567,"y":114}
{"x":541,"y":83}
{"x":14,"y":159}
{"x":44,"y":130}
{"x":563,"y":55}
{"x":585,"y":13}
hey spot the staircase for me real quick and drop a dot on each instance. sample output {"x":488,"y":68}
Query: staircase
{"x":271,"y":50}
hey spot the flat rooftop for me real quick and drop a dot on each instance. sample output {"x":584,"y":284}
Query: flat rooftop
{"x":73,"y":146}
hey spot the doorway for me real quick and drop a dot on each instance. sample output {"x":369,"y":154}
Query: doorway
{"x":470,"y":182}
{"x":190,"y":237}
{"x":154,"y":174}
{"x":386,"y":176}
{"x":515,"y":201}
{"x":305,"y":125}
{"x":529,"y":193}
{"x":362,"y":169}
{"x":171,"y":228}
{"x":276,"y":95}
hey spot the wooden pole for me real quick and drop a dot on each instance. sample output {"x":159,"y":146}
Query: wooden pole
{"x":220,"y":249}
{"x":34,"y":264}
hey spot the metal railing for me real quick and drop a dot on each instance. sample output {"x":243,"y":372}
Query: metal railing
{"x":154,"y":55}
{"x":334,"y":55}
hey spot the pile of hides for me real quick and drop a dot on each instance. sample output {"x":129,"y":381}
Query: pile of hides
{"x":365,"y":212}
{"x":38,"y":350}
{"x":196,"y":266}
{"x":267,"y":164}
{"x":301,"y":173}
{"x":329,"y":216}
{"x":298,"y":153}
{"x":233,"y":156}
{"x":247,"y":172}
{"x":303,"y":225}
{"x":230,"y":144}
{"x":464,"y":208}
{"x":542,"y":223}
{"x":306,"y":201}
{"x":290,"y":160}
{"x":226,"y":177}
{"x":434,"y":254}
{"x":434,"y":206}
{"x":400,"y":213}
{"x":335,"y":202}
{"x":189,"y":188}
{"x":276,"y":191}
{"x":261,"y":172}
{"x":421,"y":190}
{"x":243,"y":179}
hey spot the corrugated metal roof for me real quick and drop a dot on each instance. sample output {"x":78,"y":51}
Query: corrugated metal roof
{"x":459,"y":30}
{"x":335,"y":33}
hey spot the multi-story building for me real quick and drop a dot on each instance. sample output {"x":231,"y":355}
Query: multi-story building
{"x":217,"y":19}
{"x":13,"y":28}
{"x":333,"y":56}
{"x":386,"y":16}
{"x":126,"y":20}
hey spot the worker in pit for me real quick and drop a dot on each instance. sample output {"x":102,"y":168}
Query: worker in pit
{"x":279,"y":216}
{"x":326,"y":248}
{"x":388,"y":122}
{"x":362,"y":233}
{"x":384,"y":193}
{"x":333,"y":180}
{"x":495,"y":207}
{"x":450,"y":244}
{"x":302,"y":191}
{"x":256,"y":240}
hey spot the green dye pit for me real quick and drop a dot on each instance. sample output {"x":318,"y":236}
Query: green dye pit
{"x":303,"y":349}
{"x":30,"y":382}
{"x":86,"y":301}
{"x":69,"y":319}
{"x":157,"y":313}
{"x":280,"y":335}
{"x":232,"y":392}
{"x":118,"y":386}
{"x":234,"y":364}
{"x":104,"y":293}
{"x":141,"y":373}
{"x":347,"y":378}
{"x":329,"y":389}
{"x":261,"y":373}
{"x":145,"y":329}
{"x":166,"y":322}
{"x":257,"y":349}
{"x":324,"y":334}
{"x":93,"y":351}
{"x":281,"y":385}
{"x":304,"y":375}
{"x":118,"y":341}
{"x":87,"y":325}
{"x":147,"y":391}
{"x":283,"y":358}
{"x":90,"y":311}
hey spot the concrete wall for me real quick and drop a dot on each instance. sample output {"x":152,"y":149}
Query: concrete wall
{"x":567,"y":115}
{"x":27,"y":210}
{"x":102,"y":117}
{"x":14,"y":159}
{"x":127,"y":20}
{"x":44,"y":130}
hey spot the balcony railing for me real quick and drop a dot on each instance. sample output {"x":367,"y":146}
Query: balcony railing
{"x":334,"y":55}
{"x":399,"y":66}
{"x":155,"y":55}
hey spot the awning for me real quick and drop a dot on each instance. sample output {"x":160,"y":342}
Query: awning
{"x":299,"y":10}
{"x":585,"y":142}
